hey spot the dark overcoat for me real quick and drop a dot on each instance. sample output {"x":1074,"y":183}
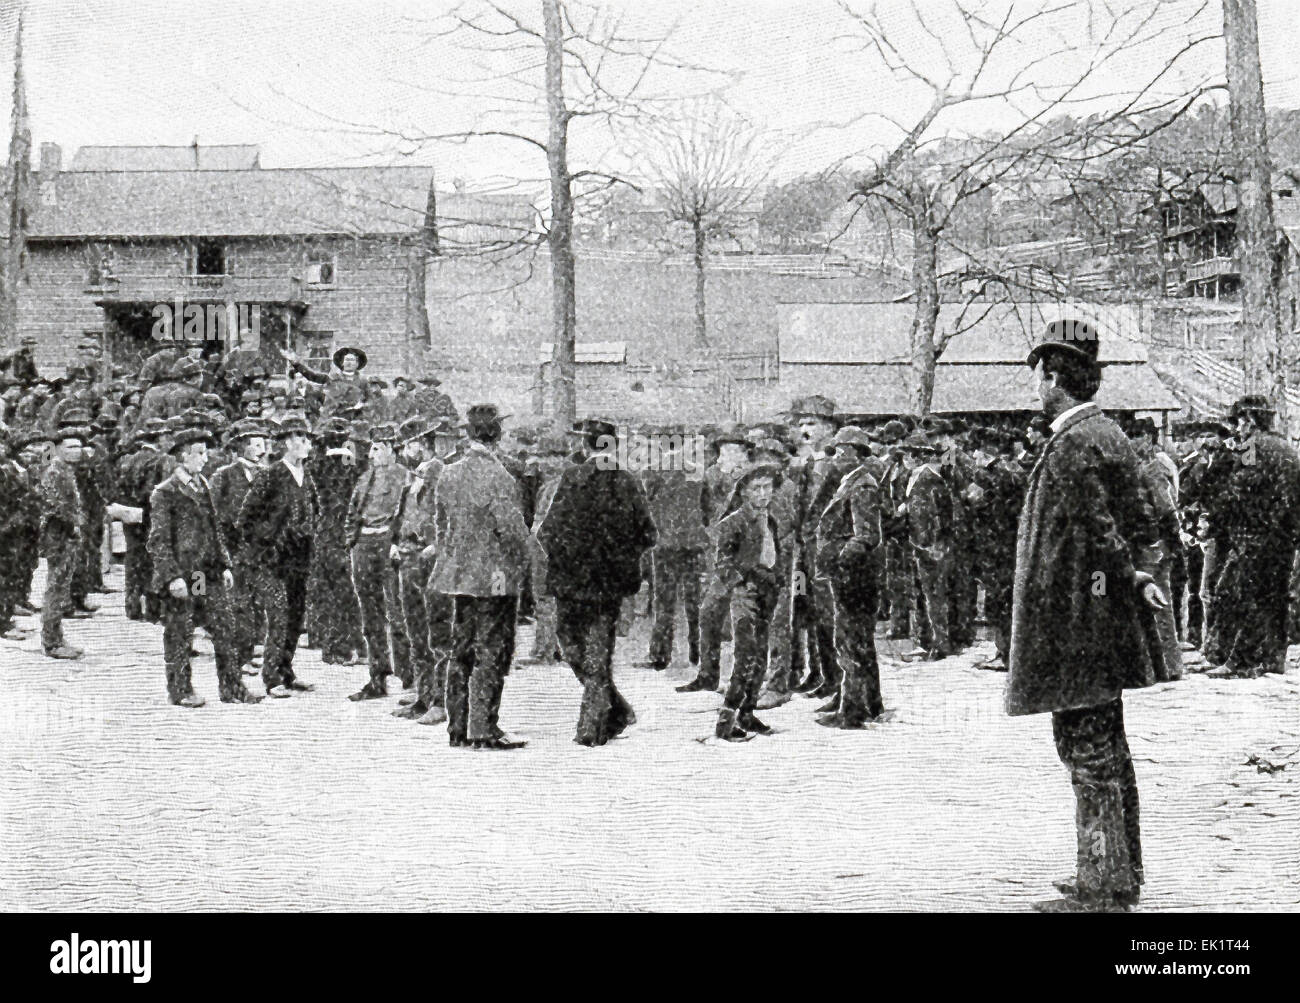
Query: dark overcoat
{"x":184,"y":536}
{"x":1086,"y":545}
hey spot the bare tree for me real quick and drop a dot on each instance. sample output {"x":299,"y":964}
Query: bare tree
{"x":1257,"y":241}
{"x":19,"y":177}
{"x":1006,"y":55}
{"x":705,"y":169}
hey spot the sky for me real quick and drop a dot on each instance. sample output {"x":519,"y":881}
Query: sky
{"x":329,"y":82}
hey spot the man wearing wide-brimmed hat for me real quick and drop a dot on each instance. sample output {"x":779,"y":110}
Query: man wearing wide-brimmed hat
{"x":849,"y":553}
{"x":1259,"y":517}
{"x":816,"y":474}
{"x":334,"y":618}
{"x":1081,"y":632}
{"x":193,"y":570}
{"x":371,"y":535}
{"x":344,"y":386}
{"x":277,"y":523}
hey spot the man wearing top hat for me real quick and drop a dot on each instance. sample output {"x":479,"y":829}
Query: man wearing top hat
{"x":192,"y":569}
{"x":1080,"y":622}
{"x":277,"y":523}
{"x":1260,"y":520}
{"x":848,"y":551}
{"x":480,"y":559}
{"x":344,"y":386}
{"x":816,"y":475}
{"x":371,"y":533}
{"x":596,"y":529}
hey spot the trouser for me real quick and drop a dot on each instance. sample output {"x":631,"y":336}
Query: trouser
{"x":780,"y":656}
{"x":432,"y":687}
{"x":714,"y":604}
{"x":245,"y":619}
{"x":339,"y":628}
{"x":138,"y":567}
{"x":899,"y":579}
{"x":932,"y":603}
{"x":1194,"y":563}
{"x":545,"y":641}
{"x":11,"y":574}
{"x":813,"y":623}
{"x":997,"y":611}
{"x":962,"y":594}
{"x":412,"y":574}
{"x":1171,"y":663}
{"x":62,"y":552}
{"x":378,"y":594}
{"x":91,"y":568}
{"x":855,"y":645}
{"x":282,"y":593}
{"x":482,"y":645}
{"x":212,"y":610}
{"x":676,"y":571}
{"x":1211,"y":644}
{"x":1177,"y":586}
{"x":586,"y":630}
{"x":1092,"y":744}
{"x":752,"y":610}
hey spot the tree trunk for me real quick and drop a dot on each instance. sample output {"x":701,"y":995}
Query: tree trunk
{"x":564,"y":312}
{"x":925,"y":286}
{"x":1257,"y":237}
{"x":699,"y":249}
{"x":20,"y":146}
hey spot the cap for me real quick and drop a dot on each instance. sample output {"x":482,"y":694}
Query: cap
{"x":1077,"y":337}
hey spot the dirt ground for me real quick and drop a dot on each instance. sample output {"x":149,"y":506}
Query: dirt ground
{"x":115,"y":800}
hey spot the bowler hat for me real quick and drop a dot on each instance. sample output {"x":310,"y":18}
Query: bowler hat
{"x":815,"y":406}
{"x":350,"y":350}
{"x":733,"y":432}
{"x":851,"y":436}
{"x":150,"y":428}
{"x":187,"y":435}
{"x":383,"y":432}
{"x":292,"y":425}
{"x":1077,"y":337}
{"x":759,"y":468}
{"x":245,"y":428}
{"x":413,"y":428}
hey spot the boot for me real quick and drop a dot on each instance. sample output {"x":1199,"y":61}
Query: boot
{"x":727,"y":729}
{"x":698,"y":684}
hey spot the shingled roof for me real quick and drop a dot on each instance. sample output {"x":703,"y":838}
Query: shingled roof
{"x":232,"y":157}
{"x":360,"y":201}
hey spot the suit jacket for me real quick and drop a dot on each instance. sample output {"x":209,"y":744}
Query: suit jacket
{"x":230,"y":486}
{"x":480,"y":535}
{"x":929,"y":513}
{"x":62,"y":510}
{"x":361,"y":492}
{"x":184,"y":536}
{"x":737,"y":559}
{"x":848,"y":534}
{"x":268,"y":513}
{"x":1086,"y":545}
{"x":595,"y":531}
{"x":678,"y":507}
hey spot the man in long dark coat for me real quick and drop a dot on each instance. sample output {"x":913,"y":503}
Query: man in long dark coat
{"x":1080,"y":630}
{"x":336,"y":626}
{"x":594,"y":534}
{"x":1259,"y":516}
{"x":230,"y":485}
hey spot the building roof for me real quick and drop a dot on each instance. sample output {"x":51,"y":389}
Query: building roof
{"x":248,"y":203}
{"x":875,"y":389}
{"x":990,"y":332}
{"x":234,"y":157}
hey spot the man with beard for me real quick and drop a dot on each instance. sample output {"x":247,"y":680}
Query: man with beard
{"x":371,"y":536}
{"x":230,"y":485}
{"x":1259,"y":516}
{"x":337,"y":618}
{"x":817,"y":476}
{"x":1085,"y":552}
{"x":595,"y":531}
{"x":276,"y":525}
{"x":848,"y":550}
{"x":481,"y":557}
{"x":192,"y":566}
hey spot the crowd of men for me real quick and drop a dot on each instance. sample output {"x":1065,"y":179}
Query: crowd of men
{"x":394,"y":534}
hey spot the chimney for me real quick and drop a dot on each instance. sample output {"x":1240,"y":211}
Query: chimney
{"x":51,"y":160}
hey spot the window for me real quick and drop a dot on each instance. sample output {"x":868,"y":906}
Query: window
{"x":99,"y":265}
{"x":317,"y":348}
{"x":322,"y":266}
{"x":209,"y":258}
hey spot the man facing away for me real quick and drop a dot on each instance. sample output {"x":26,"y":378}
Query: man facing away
{"x":481,"y":557}
{"x":594,"y":533}
{"x":1080,"y":625}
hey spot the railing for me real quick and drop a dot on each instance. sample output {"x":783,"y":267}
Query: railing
{"x":1199,"y":271}
{"x":221,"y":288}
{"x":1231,"y":379}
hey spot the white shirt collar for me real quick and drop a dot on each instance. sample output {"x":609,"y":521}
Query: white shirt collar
{"x":297,"y":473}
{"x":1061,"y":418}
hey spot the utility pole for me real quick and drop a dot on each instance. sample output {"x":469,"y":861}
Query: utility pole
{"x":1257,"y":241}
{"x":19,"y":176}
{"x":564,"y":312}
